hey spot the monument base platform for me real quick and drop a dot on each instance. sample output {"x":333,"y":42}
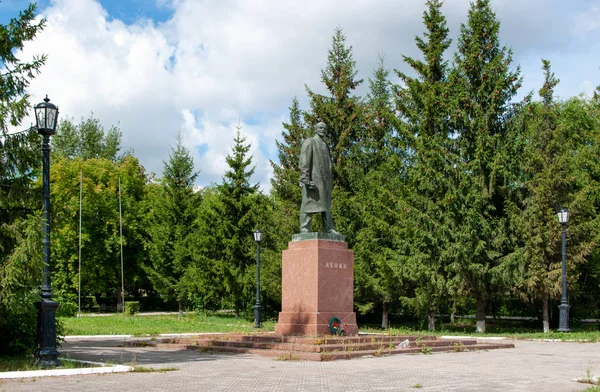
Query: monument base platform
{"x":313,"y":348}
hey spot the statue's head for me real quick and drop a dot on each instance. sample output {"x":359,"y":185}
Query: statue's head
{"x":320,"y":128}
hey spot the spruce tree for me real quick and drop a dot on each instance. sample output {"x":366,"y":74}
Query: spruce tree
{"x":170,"y":224}
{"x":20,"y":163}
{"x":286,"y":174}
{"x":483,"y":86}
{"x":341,"y":111}
{"x":377,"y":176}
{"x":20,"y":152}
{"x":237,"y":222}
{"x":557,"y":169}
{"x":423,"y":104}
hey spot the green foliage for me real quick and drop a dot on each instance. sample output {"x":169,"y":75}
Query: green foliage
{"x":340,"y":111}
{"x":18,"y":326}
{"x":378,"y":175}
{"x":69,"y":305}
{"x":286,"y":175}
{"x":86,"y":140}
{"x":557,"y":140}
{"x":20,"y":273}
{"x":222,"y":273}
{"x":423,"y":103}
{"x":170,"y":224}
{"x":483,"y":85}
{"x":22,"y":268}
{"x":132,"y":307}
{"x":238,"y":210}
{"x":16,"y":76}
{"x":89,"y":303}
{"x":20,"y":158}
{"x":100,"y":243}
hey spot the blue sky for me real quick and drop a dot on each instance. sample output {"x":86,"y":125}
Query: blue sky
{"x":198,"y":67}
{"x":129,"y":11}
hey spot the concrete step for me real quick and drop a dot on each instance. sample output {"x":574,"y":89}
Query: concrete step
{"x":319,"y":348}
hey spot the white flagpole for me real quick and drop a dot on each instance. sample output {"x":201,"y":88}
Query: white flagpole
{"x":121,"y":230}
{"x":80,"y":199}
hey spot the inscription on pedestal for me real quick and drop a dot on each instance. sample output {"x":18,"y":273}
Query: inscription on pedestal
{"x":336,"y":265}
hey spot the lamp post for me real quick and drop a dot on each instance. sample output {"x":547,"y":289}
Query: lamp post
{"x":46,"y":115}
{"x":257,"y":307}
{"x":563,"y":324}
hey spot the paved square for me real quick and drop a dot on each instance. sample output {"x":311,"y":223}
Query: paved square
{"x":530,"y":366}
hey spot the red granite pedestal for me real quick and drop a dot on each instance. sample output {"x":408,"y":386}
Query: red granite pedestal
{"x":317,"y":284}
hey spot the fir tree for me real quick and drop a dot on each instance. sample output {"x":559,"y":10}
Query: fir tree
{"x":483,"y":86}
{"x":20,"y":161}
{"x":377,"y":177}
{"x":286,"y":174}
{"x":560,"y":141}
{"x":170,"y":225}
{"x":238,"y":221}
{"x":423,"y":104}
{"x":340,"y":111}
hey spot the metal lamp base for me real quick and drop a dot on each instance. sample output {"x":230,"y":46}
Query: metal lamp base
{"x":257,"y":316}
{"x":563,"y":323}
{"x":47,"y":354}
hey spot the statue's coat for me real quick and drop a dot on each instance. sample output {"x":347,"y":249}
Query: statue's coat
{"x":315,"y":166}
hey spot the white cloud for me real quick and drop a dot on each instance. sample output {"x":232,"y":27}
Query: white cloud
{"x":588,"y":21}
{"x":214,"y":63}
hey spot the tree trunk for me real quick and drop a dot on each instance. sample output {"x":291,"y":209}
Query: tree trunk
{"x":237,"y":309}
{"x":453,"y":312}
{"x":385,"y":317}
{"x":480,"y":315}
{"x":119,"y":302}
{"x":180,"y":308}
{"x":545,"y":314}
{"x":430,"y":319}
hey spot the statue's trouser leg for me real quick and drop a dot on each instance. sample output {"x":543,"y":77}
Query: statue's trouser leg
{"x":327,"y":218}
{"x":305,"y":221}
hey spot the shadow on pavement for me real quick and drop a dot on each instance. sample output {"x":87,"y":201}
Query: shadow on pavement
{"x":114,"y":351}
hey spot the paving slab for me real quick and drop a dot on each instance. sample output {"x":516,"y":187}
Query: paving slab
{"x":530,"y":366}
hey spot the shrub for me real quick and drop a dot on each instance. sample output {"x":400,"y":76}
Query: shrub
{"x":89,"y":304}
{"x":132,"y":307}
{"x":18,"y":326}
{"x":68,"y":304}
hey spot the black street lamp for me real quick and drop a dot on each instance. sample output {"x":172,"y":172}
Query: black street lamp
{"x":563,"y":324}
{"x":46,"y":115}
{"x":257,"y":307}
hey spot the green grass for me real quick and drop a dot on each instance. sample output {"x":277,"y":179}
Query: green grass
{"x":17,"y":364}
{"x":26,"y":363}
{"x":592,"y":389}
{"x":514,"y":330}
{"x":139,"y":325}
{"x":153,"y":325}
{"x":144,"y":369}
